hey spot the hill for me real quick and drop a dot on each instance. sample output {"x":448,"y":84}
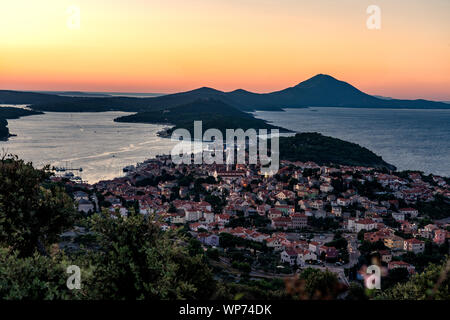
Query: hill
{"x":325,"y":150}
{"x":213,"y":114}
{"x":319,"y":91}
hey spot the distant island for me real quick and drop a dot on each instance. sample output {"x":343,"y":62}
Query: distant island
{"x":319,"y":91}
{"x":213,"y":114}
{"x":229,"y":110}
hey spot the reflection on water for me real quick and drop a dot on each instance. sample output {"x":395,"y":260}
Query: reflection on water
{"x":88,"y":140}
{"x":409,"y":139}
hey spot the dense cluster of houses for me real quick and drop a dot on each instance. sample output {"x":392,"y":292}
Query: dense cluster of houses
{"x":289,"y":200}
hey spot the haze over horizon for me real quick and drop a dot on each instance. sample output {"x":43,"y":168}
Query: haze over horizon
{"x":260,"y":46}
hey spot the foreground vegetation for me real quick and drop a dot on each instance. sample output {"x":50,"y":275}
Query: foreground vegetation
{"x":132,"y":258}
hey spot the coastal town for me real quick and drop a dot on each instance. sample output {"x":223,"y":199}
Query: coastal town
{"x":340,"y":218}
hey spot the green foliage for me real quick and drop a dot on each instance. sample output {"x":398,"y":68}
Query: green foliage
{"x":326,"y":150}
{"x":315,"y":284}
{"x":367,"y":246}
{"x":421,"y":260}
{"x":437,"y":209}
{"x":340,"y":243}
{"x":31,"y":216}
{"x":213,"y":254}
{"x":251,"y":290}
{"x":33,"y":278}
{"x":139,"y":261}
{"x":227,"y":240}
{"x":361,"y":233}
{"x":433,"y":283}
{"x":217,"y":203}
{"x":323,"y":224}
{"x":356,"y":292}
{"x":398,"y":275}
{"x":242,"y":266}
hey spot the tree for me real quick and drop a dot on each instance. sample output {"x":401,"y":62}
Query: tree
{"x":339,"y":243}
{"x":139,"y":261}
{"x":172,"y":208}
{"x":36,"y":277}
{"x":213,"y":254}
{"x":315,"y":284}
{"x":356,"y":292}
{"x":33,"y":212}
{"x":395,"y":276}
{"x":432,"y":283}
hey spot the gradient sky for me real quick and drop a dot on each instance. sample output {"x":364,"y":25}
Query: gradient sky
{"x":258,"y":45}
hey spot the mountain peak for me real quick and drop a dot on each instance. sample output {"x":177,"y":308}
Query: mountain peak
{"x":318,"y":79}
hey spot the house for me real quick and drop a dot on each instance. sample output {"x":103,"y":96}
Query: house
{"x":385,"y":256}
{"x":337,"y":211}
{"x":398,"y":216}
{"x":274,"y":243}
{"x":326,"y":187}
{"x":394,"y":242}
{"x":299,"y":220}
{"x":113,"y":200}
{"x":317,"y":204}
{"x":351,"y":224}
{"x":285,"y":194}
{"x":208,"y":216}
{"x":85,"y":206}
{"x":408,"y":227}
{"x":229,"y":174}
{"x":196,"y":226}
{"x":439,"y":236}
{"x":401,"y":264}
{"x":413,"y":213}
{"x":289,"y":256}
{"x":330,"y":253}
{"x":274,"y":213}
{"x":120,"y":209}
{"x":304,"y":255}
{"x":178,"y":218}
{"x":430,"y":228}
{"x":414,"y":245}
{"x":281,"y":223}
{"x":209,"y":239}
{"x":222,"y":218}
{"x":376,"y":236}
{"x":80,"y":195}
{"x":343,"y":202}
{"x":314,"y":246}
{"x":319,"y":213}
{"x":285,"y":209}
{"x":192,"y":214}
{"x":365,"y":224}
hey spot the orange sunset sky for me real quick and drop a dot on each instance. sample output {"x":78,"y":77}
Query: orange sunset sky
{"x":258,"y":45}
